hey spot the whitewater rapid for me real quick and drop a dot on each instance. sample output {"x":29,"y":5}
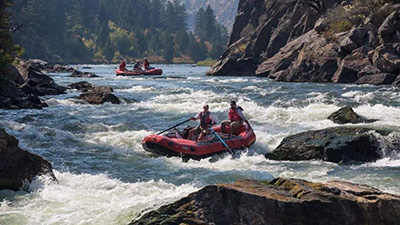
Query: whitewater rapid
{"x":105,"y":176}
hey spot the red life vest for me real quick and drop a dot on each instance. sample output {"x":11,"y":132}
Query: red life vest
{"x":146,"y":64}
{"x":122,"y":66}
{"x":205,"y":119}
{"x":233,"y":115}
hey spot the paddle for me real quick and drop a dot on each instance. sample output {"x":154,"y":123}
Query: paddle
{"x":223,"y":142}
{"x":174,"y":126}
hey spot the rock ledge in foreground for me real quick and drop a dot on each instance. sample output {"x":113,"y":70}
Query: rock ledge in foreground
{"x":17,"y":165}
{"x":281,"y":201}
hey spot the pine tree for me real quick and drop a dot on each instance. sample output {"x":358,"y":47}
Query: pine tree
{"x":6,"y":44}
{"x":198,"y":23}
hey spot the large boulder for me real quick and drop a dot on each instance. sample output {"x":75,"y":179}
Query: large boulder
{"x":347,"y":115}
{"x":99,"y":97}
{"x":387,"y":58}
{"x":350,"y":67}
{"x":11,"y":94}
{"x":18,"y":166}
{"x":337,"y":144}
{"x":280,"y":201}
{"x":37,"y":83}
{"x":389,"y":31}
{"x":377,"y":79}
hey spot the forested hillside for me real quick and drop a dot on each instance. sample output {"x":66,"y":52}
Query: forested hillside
{"x":83,"y":31}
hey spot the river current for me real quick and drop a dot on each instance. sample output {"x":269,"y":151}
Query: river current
{"x":105,"y":176}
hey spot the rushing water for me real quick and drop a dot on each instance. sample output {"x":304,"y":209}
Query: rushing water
{"x":105,"y":177}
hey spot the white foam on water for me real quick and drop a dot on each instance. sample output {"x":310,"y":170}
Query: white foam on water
{"x":89,"y":199}
{"x":138,"y":89}
{"x":127,"y":140}
{"x":388,"y":115}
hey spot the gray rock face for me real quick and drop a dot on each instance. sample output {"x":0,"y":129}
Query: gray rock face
{"x":17,"y":165}
{"x":288,"y":42}
{"x":261,"y":29}
{"x":280,"y":201}
{"x":338,"y":144}
{"x":347,"y":115}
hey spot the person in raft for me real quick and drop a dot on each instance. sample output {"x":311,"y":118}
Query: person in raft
{"x":122,"y":66}
{"x":146,"y":64}
{"x":207,"y":120}
{"x":137,"y":68}
{"x":236,"y":119}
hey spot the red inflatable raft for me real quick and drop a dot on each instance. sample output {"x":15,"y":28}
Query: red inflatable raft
{"x":169,"y":145}
{"x":138,"y":73}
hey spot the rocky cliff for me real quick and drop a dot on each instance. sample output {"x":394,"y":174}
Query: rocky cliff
{"x":317,"y":41}
{"x":281,"y":201}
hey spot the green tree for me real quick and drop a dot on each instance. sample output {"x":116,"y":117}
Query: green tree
{"x":6,"y":44}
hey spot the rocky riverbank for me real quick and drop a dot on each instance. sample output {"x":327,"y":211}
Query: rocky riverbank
{"x":300,"y":42}
{"x":280,"y":201}
{"x":24,"y":83}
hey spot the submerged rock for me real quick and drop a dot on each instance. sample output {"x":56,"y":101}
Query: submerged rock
{"x":281,"y":201}
{"x":337,"y":144}
{"x":347,"y":115}
{"x":17,"y":165}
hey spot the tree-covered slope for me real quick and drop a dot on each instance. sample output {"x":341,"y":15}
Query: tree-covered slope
{"x":80,"y":31}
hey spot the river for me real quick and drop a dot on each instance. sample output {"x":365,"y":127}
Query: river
{"x":105,"y":176}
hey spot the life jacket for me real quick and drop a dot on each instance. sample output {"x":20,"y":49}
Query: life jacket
{"x":146,"y":64}
{"x":233,"y":115}
{"x":122,"y":66}
{"x":205,"y":119}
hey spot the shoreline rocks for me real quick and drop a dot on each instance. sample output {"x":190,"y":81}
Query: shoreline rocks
{"x":18,"y":166}
{"x":293,"y":43}
{"x":335,"y":144}
{"x":280,"y":201}
{"x":22,"y":84}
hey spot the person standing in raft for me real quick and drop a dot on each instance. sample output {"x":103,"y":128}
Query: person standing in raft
{"x":236,"y":119}
{"x":207,"y":120}
{"x":122,"y":66}
{"x":146,"y":64}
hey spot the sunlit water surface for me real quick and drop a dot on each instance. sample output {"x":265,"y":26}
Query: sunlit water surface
{"x":105,"y":176}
